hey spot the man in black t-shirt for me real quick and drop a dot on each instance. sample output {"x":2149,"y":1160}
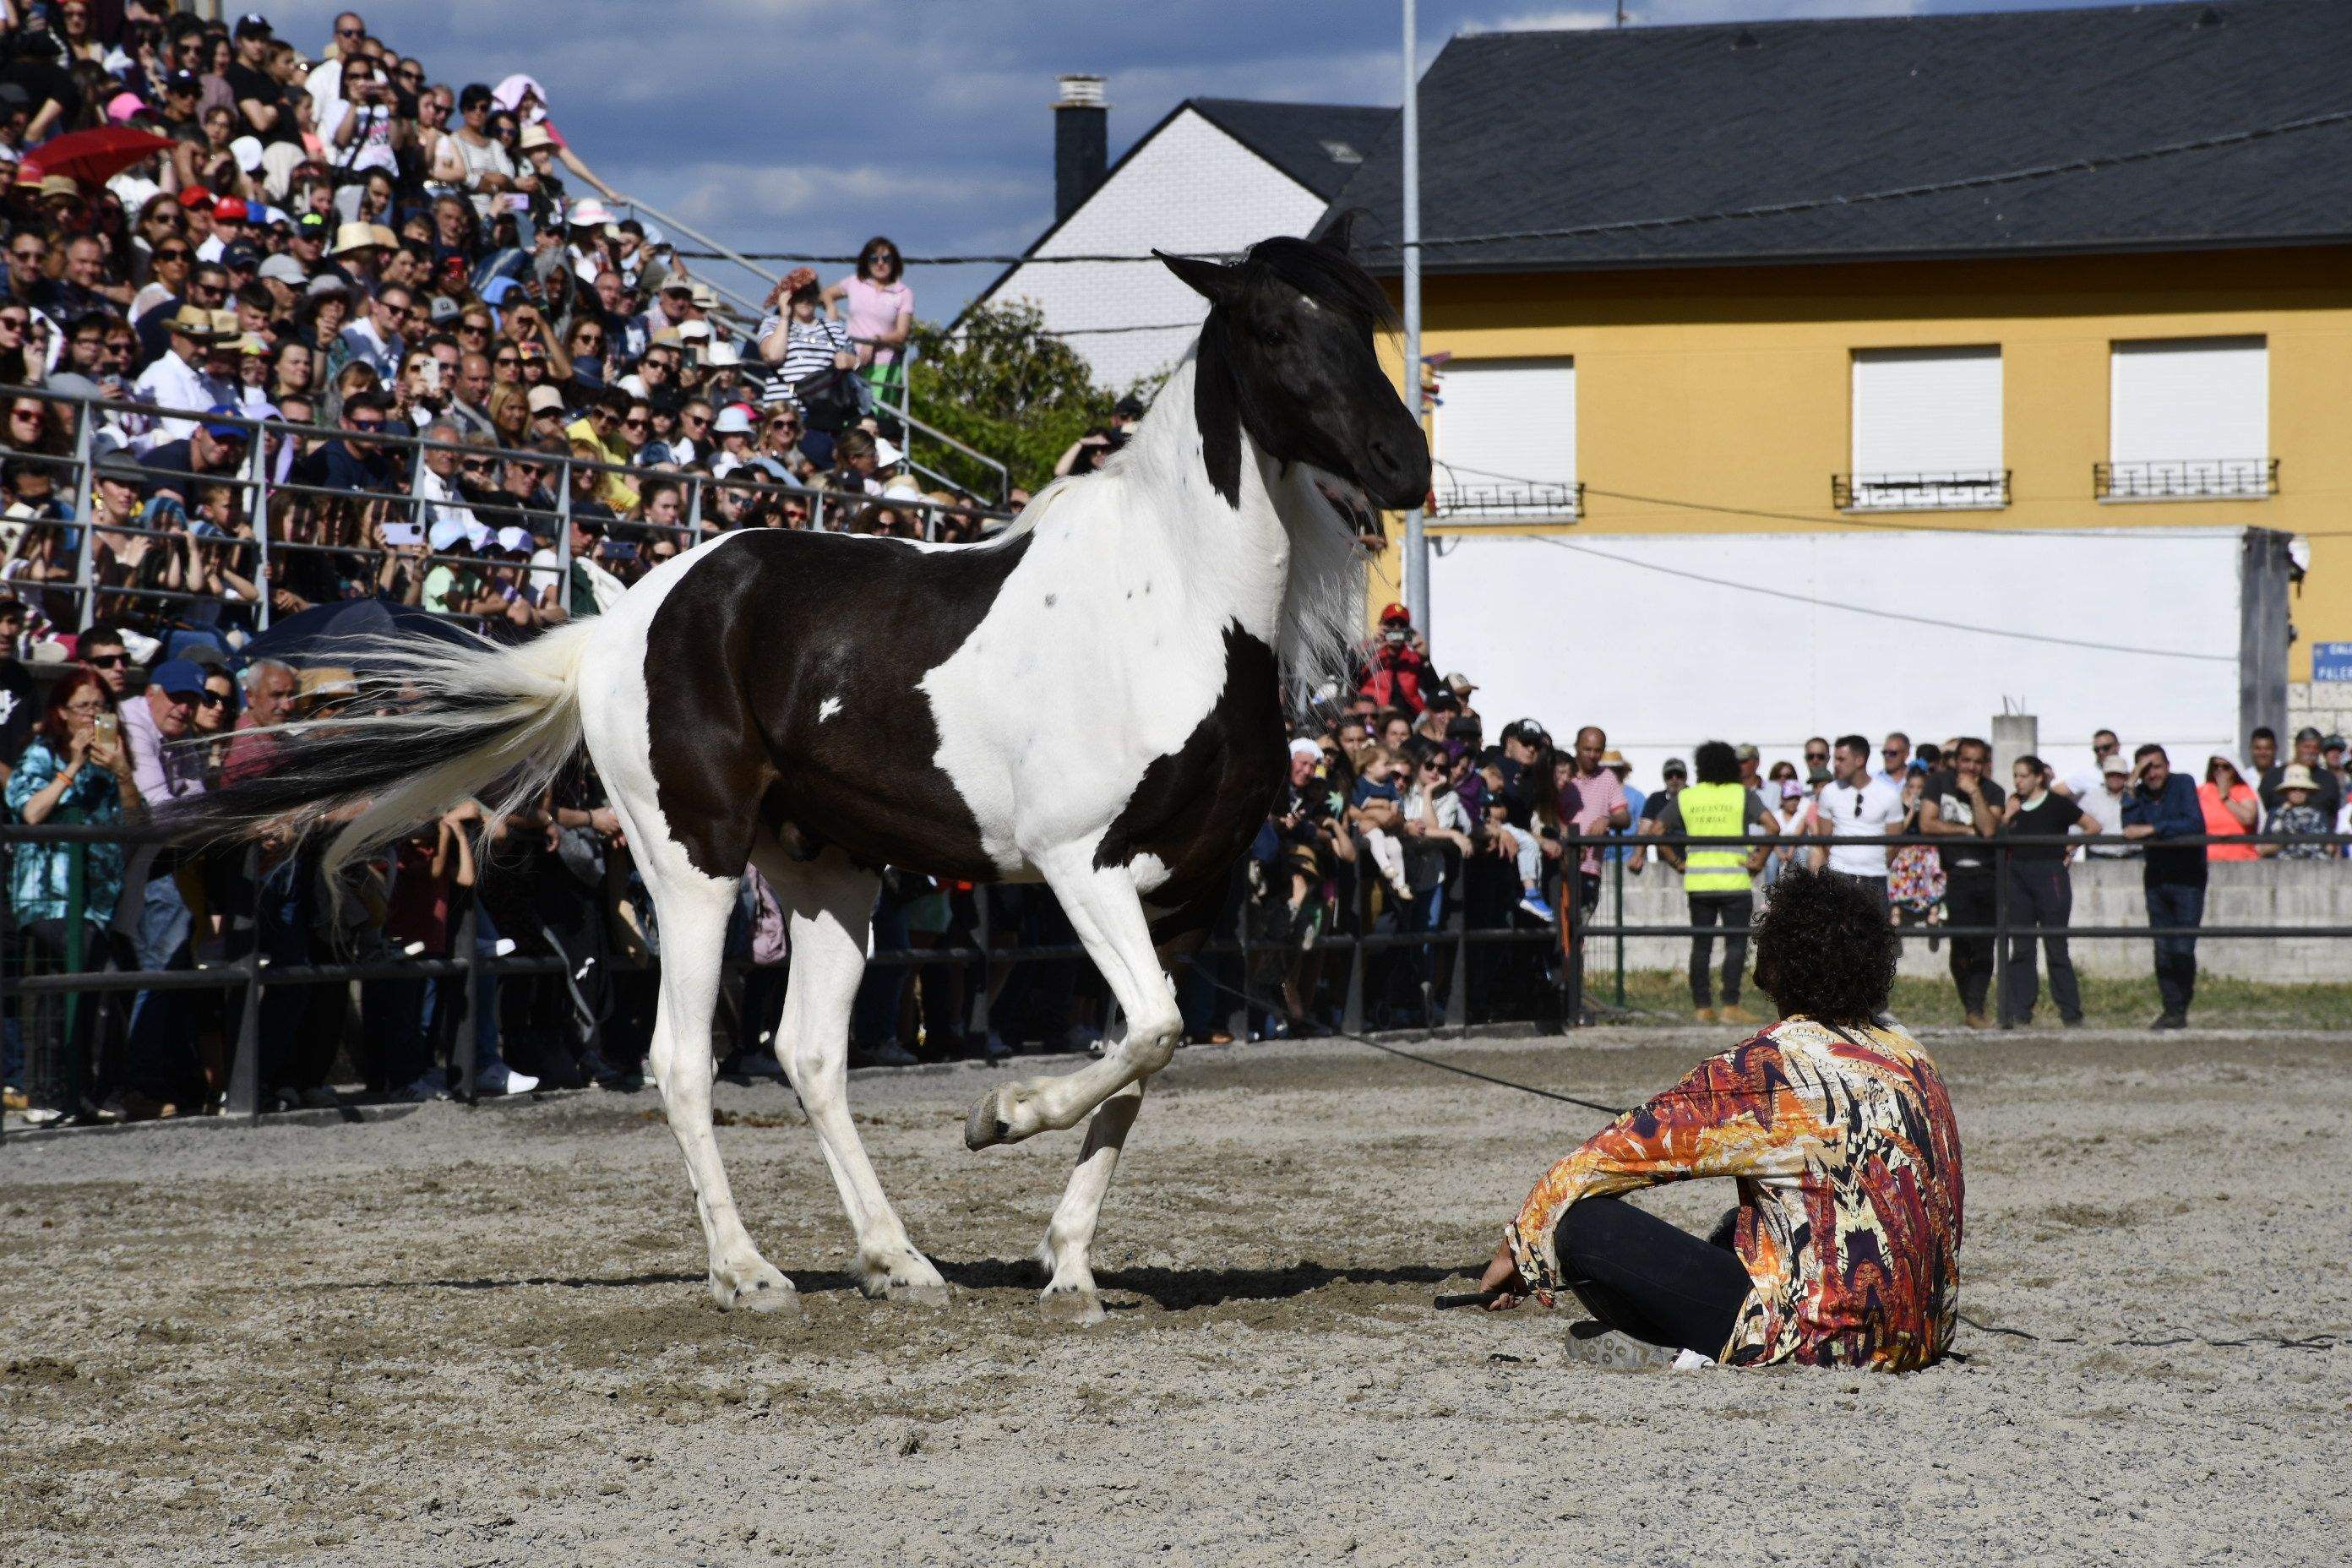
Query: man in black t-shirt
{"x":260,"y":100}
{"x":1963,"y":807}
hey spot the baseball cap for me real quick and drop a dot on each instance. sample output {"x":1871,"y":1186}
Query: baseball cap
{"x":2115,"y":764}
{"x":232,"y":208}
{"x":219,"y":431}
{"x":544,"y":398}
{"x":1462,"y":685}
{"x":1302,"y":747}
{"x":1676,"y":768}
{"x":178,"y":677}
{"x":2333,"y":744}
{"x":240,"y":256}
{"x":515,"y":541}
{"x":1527,"y":732}
{"x":122,"y":106}
{"x":196,"y":197}
{"x":886,"y":455}
{"x":1745,"y":752}
{"x":443,"y":307}
{"x":284,"y":269}
{"x":446,"y":534}
{"x":182,"y":81}
{"x":253,"y":24}
{"x":1396,"y":612}
{"x":311,"y":225}
{"x":247,"y":150}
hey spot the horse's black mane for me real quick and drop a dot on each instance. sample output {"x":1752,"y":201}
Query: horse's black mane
{"x":1325,"y":275}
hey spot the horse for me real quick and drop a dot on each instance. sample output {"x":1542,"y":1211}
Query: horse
{"x":1093,"y":699}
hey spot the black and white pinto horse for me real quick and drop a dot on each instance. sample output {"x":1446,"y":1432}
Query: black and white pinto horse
{"x":1093,"y":700}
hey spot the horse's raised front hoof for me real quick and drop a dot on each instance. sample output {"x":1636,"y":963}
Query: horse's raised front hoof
{"x":901,"y":1276}
{"x":998,"y":1117}
{"x":1077,"y":1304}
{"x":755,"y":1286}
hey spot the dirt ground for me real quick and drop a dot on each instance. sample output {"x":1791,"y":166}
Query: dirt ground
{"x":482,"y":1336}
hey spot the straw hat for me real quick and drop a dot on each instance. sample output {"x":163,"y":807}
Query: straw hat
{"x":384,"y":236}
{"x":2297,"y":776}
{"x":535,"y":135}
{"x":194,"y":321}
{"x":357,"y":237}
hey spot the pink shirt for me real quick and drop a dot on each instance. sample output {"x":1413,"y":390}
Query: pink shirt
{"x":1598,"y":799}
{"x":874,"y":309}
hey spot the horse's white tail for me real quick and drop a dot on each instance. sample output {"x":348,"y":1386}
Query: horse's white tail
{"x":433,"y":725}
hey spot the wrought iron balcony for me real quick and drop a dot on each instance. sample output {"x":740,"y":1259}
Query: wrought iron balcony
{"x":2185,"y":478}
{"x":1965,"y":489}
{"x":1509,"y":500}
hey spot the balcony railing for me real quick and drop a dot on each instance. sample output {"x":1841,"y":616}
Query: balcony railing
{"x":2186,"y":479}
{"x":1965,"y":489}
{"x":1513,"y":501}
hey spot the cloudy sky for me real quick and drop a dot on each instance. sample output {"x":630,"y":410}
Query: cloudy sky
{"x":810,"y":124}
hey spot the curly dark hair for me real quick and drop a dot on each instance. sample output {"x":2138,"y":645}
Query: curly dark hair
{"x":1825,"y":948}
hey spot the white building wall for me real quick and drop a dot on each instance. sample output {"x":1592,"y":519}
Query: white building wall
{"x":1191,"y":188}
{"x":1662,"y":662}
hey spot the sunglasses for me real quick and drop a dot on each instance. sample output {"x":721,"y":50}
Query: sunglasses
{"x":212,"y":699}
{"x":478,"y":328}
{"x":173,"y":253}
{"x":108,"y":660}
{"x":19,"y":322}
{"x":633,"y":424}
{"x":698,"y":420}
{"x":367,"y":424}
{"x":782,"y":424}
{"x":506,"y":359}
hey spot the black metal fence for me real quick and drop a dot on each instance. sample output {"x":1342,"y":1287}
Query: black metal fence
{"x":1443,"y":965}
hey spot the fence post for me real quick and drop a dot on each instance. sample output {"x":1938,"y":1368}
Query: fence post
{"x":76,"y":1075}
{"x":1571,"y":942}
{"x":244,"y":1097}
{"x":564,"y":537}
{"x":1351,"y":1014}
{"x":84,"y":567}
{"x":1238,"y":1014}
{"x":2001,"y":933}
{"x":463,"y":1049}
{"x":1617,"y":881}
{"x":1457,"y":986}
{"x":259,"y":500}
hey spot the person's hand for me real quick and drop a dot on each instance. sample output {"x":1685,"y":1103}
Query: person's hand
{"x":1504,"y":1287}
{"x":77,"y":748}
{"x":604,"y":820}
{"x":286,"y":601}
{"x":1415,"y":827}
{"x":2139,"y":830}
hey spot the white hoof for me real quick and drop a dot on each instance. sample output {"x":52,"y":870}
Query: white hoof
{"x":1075,"y":1304}
{"x":753,"y":1286}
{"x":1005,"y":1114}
{"x":901,"y":1276}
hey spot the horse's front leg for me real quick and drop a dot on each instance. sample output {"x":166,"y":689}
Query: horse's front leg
{"x":1107,"y":915}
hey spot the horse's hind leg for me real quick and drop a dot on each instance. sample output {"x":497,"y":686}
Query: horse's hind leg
{"x":830,"y":902}
{"x":692,"y":910}
{"x":1069,"y":1239}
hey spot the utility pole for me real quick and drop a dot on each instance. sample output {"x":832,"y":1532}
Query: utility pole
{"x":1416,"y":535}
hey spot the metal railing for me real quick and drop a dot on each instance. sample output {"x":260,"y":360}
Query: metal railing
{"x":1443,"y":962}
{"x":1502,"y":501}
{"x":1575,"y":931}
{"x":271,"y":506}
{"x":1967,"y":489}
{"x":2188,"y":479}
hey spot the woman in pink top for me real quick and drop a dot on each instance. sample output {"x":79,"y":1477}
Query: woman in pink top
{"x":2231,"y":808}
{"x":881,"y":312}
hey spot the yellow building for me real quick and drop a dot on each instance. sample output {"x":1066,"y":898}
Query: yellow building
{"x":2062,"y":271}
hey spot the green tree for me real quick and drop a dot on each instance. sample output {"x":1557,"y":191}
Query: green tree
{"x":1005,"y":387}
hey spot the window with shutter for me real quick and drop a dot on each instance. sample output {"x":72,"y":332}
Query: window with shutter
{"x":1926,"y":431}
{"x":2189,"y":419}
{"x":1506,"y":439}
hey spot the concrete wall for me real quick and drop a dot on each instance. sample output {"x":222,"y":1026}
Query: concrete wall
{"x":2107,"y":893}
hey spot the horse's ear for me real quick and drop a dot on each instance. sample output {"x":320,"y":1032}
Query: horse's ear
{"x":1211,"y":281}
{"x":1340,"y":235}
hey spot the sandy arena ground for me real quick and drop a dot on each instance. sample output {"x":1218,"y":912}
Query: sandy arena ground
{"x":482,"y":1337}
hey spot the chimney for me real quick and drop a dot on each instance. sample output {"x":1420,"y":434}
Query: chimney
{"x":1081,"y":142}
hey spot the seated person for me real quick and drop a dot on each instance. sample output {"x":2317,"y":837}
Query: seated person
{"x":1835,"y":1125}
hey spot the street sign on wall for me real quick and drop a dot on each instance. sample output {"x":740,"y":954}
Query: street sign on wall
{"x":2331,"y":661}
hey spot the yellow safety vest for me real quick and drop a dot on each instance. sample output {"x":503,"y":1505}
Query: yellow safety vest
{"x":1714,"y":810}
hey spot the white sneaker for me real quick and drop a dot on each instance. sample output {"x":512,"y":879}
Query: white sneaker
{"x":503,"y":1079}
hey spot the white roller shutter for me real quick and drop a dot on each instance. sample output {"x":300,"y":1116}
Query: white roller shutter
{"x":1505,"y":438}
{"x":2189,"y":417}
{"x":1927,"y":427}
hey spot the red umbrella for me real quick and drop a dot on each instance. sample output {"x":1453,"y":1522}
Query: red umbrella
{"x":94,"y":157}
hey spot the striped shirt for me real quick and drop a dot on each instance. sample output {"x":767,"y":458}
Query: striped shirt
{"x":808,"y":349}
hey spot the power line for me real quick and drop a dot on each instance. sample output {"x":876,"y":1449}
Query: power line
{"x":1854,"y":609}
{"x":2088,"y":163}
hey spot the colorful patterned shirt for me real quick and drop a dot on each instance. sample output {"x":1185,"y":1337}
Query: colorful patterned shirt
{"x":1848,"y":1162}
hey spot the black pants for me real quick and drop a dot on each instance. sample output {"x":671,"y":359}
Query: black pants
{"x":1969,"y":902}
{"x":1645,"y":1278}
{"x":2039,"y":894}
{"x":2176,"y":906}
{"x":1735,"y":912}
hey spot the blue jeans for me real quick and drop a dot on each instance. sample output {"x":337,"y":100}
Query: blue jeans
{"x":161,"y":1059}
{"x":2176,"y":906}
